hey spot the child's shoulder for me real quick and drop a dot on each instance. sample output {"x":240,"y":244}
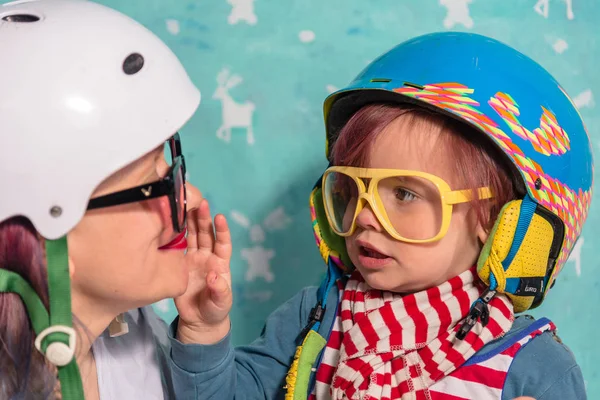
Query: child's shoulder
{"x":536,"y":337}
{"x":542,"y":366}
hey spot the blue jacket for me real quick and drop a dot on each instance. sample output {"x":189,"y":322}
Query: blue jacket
{"x":544,"y":369}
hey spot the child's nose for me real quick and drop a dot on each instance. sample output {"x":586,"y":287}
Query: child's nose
{"x":367,"y":220}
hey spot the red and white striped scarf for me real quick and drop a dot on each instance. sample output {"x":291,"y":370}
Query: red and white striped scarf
{"x":385,"y":345}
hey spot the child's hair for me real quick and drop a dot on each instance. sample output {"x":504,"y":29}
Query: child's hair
{"x":473,"y":165}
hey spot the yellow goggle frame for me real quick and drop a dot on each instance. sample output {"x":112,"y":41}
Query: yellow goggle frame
{"x":369,"y":195}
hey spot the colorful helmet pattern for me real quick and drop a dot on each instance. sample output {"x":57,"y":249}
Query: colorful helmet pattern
{"x":503,"y":94}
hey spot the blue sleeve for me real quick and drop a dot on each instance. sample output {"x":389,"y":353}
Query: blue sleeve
{"x":545,"y":369}
{"x":256,"y":371}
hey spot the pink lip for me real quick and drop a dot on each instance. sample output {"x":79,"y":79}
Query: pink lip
{"x":371,"y":262}
{"x":369,"y":246}
{"x":179,"y":243}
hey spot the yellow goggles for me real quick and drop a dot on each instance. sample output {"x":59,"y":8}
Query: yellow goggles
{"x":412,"y":206}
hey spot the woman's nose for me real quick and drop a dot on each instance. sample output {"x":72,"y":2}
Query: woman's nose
{"x":193,"y":196}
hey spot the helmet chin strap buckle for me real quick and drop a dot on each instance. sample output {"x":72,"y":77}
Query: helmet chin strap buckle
{"x":58,"y":353}
{"x":118,"y":326}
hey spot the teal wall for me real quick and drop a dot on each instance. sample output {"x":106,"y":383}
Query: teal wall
{"x":291,"y":54}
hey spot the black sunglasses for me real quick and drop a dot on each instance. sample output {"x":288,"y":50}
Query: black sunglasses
{"x":172,"y":185}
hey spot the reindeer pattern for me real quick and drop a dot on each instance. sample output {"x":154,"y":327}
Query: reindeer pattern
{"x":235,"y":115}
{"x":542,"y":7}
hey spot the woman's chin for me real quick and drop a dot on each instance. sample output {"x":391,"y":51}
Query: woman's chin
{"x":169,"y":289}
{"x":174,"y":279}
{"x":178,"y":288}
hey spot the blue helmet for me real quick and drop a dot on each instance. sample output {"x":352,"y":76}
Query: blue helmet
{"x":518,"y":107}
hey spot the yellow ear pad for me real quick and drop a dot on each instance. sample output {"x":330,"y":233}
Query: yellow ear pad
{"x":530,"y":261}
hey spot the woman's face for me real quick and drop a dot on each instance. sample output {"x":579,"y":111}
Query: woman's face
{"x":115,"y":252}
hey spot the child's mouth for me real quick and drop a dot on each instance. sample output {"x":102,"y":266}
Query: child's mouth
{"x":372,"y":259}
{"x":367,"y":252}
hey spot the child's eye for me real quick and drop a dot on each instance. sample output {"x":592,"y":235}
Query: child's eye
{"x":404,"y":195}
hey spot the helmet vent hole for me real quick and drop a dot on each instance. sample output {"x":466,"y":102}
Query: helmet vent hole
{"x":21,"y":18}
{"x":413,"y":85}
{"x":381,"y":80}
{"x":133,"y":63}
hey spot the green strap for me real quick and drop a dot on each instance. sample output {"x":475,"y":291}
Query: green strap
{"x":70,"y":382}
{"x":59,"y":287}
{"x":11,"y":282}
{"x":311,"y":348}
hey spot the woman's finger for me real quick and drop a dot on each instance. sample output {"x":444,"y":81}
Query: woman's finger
{"x":192,"y":230}
{"x":206,"y":233}
{"x":222,"y":246}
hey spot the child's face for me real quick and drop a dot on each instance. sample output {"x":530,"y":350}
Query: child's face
{"x":413,"y":267}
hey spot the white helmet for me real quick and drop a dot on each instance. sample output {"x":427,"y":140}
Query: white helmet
{"x":86,"y":90}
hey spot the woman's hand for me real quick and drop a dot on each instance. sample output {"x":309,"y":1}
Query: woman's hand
{"x":204,"y":307}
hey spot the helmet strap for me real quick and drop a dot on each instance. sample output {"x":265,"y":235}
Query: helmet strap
{"x":59,"y":287}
